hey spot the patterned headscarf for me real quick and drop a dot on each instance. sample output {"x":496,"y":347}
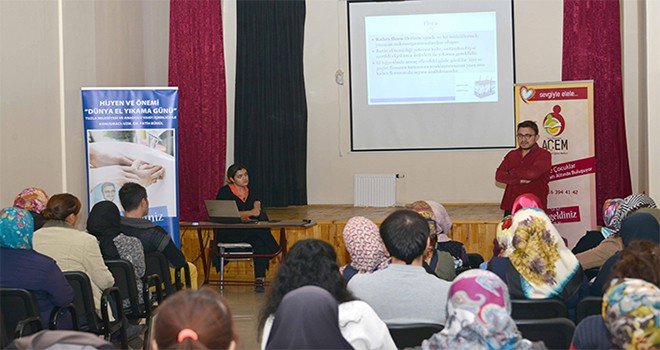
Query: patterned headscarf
{"x":478,"y":315}
{"x":436,"y":215}
{"x":525,"y":200}
{"x":540,"y":255}
{"x":610,"y":208}
{"x":631,"y":310}
{"x":629,"y":205}
{"x":364,"y":245}
{"x":16,"y":228}
{"x":504,"y":236}
{"x":31,"y":198}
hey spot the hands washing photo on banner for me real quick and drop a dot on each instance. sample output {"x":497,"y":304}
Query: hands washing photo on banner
{"x":564,"y":114}
{"x":131,"y":136}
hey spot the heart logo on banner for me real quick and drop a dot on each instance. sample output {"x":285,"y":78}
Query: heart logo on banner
{"x":526,"y":93}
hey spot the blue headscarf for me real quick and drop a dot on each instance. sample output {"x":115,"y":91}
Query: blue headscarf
{"x":16,"y":228}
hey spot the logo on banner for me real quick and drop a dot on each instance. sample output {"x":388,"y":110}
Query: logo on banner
{"x":526,"y":93}
{"x":554,"y":125}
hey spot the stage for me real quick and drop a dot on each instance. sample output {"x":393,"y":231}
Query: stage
{"x":474,"y":225}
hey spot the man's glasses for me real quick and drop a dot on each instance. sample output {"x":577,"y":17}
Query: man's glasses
{"x":525,"y":136}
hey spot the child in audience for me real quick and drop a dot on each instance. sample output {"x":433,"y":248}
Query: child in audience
{"x":364,"y":246}
{"x":193,"y":319}
{"x":314,"y":262}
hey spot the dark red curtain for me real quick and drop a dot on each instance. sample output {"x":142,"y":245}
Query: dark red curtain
{"x":592,"y":51}
{"x":196,"y":66}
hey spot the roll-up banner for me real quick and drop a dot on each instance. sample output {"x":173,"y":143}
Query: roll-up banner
{"x":131,"y":136}
{"x":565,"y":115}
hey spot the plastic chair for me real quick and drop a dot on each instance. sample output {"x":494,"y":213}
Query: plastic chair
{"x":156,"y":264}
{"x":474,"y":260}
{"x":587,"y":307}
{"x":412,"y":335}
{"x":85,"y":307}
{"x":528,"y":309}
{"x":556,"y":333}
{"x":228,"y":252}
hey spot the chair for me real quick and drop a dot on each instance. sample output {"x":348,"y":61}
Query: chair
{"x":412,"y":335}
{"x":528,"y":309}
{"x":20,"y":313}
{"x":186,"y":275}
{"x":474,"y":260}
{"x":228,"y":252}
{"x":86,"y":315}
{"x":556,"y":333}
{"x":587,"y":307}
{"x":156,"y":264}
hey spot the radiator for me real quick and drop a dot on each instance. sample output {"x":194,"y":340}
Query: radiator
{"x":375,"y":190}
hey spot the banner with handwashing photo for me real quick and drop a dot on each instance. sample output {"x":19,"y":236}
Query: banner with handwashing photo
{"x":131,"y":136}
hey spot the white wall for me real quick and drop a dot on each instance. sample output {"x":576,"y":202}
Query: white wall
{"x":652,"y":102}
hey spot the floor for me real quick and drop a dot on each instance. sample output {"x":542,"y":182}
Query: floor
{"x":245,"y":305}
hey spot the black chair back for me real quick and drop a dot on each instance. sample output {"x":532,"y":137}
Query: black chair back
{"x":537,"y":309}
{"x":156,"y":264}
{"x":124,"y":275}
{"x":20,"y":313}
{"x":474,"y":260}
{"x":556,"y":333}
{"x":412,"y":335}
{"x":587,"y":307}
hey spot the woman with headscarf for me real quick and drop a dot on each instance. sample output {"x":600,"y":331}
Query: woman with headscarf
{"x":540,"y":265}
{"x":365,"y":247}
{"x":33,"y":199}
{"x":22,"y":267}
{"x":615,"y":212}
{"x":307,"y":318}
{"x":525,"y":200}
{"x":636,"y":226}
{"x":479,"y":316}
{"x":442,"y":246}
{"x":104,"y":223}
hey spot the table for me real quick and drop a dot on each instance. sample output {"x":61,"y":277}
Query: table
{"x":205,"y":225}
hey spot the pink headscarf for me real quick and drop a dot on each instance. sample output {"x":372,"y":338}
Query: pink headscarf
{"x":31,"y":198}
{"x":526,"y":200}
{"x":364,"y":245}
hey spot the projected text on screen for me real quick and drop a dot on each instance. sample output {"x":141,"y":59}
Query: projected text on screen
{"x":431,"y":58}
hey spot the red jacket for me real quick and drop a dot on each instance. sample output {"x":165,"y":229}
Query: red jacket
{"x":535,"y":166}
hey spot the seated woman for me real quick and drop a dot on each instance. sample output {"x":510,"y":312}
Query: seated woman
{"x":33,"y":199}
{"x":597,"y":256}
{"x":636,"y":226}
{"x":104,"y":223}
{"x":364,"y":246}
{"x":198,"y":319}
{"x":525,"y":200}
{"x":307,"y":318}
{"x":440,"y":225}
{"x":73,"y":250}
{"x":314,"y":262}
{"x":479,"y":316}
{"x":261,"y":239}
{"x":640,"y":260}
{"x":22,"y":267}
{"x":540,"y":265}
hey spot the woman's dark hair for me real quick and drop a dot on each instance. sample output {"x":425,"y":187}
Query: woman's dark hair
{"x":60,"y":206}
{"x":641,"y":259}
{"x":309,"y":262}
{"x":232,"y":170}
{"x":203,"y":311}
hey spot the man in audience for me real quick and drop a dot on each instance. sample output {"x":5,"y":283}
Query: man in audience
{"x":526,"y":169}
{"x":133,"y":198}
{"x":404,"y":293}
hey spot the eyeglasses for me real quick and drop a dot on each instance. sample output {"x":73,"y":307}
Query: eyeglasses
{"x":525,"y":136}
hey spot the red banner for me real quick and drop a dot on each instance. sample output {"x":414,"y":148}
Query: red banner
{"x":572,"y":93}
{"x":564,"y":214}
{"x":571,"y":169}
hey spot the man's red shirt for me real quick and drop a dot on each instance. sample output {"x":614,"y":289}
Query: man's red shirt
{"x":534,"y":166}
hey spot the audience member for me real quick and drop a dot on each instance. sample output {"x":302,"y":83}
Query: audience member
{"x":479,"y":316}
{"x":364,"y":246}
{"x":193,"y":319}
{"x":525,"y":200}
{"x":592,"y":239}
{"x":73,"y":250}
{"x":540,"y":265}
{"x":22,"y":267}
{"x":403,"y":293}
{"x":631,"y":310}
{"x":612,"y":244}
{"x":307,"y":318}
{"x":104,"y":223}
{"x":33,"y":199}
{"x":636,"y":226}
{"x":314,"y":262}
{"x":64,"y":340}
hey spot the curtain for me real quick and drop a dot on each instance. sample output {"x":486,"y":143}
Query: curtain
{"x":196,"y":66}
{"x":592,"y":51}
{"x":271,"y":108}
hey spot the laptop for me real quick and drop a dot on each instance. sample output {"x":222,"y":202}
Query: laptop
{"x":224,"y":212}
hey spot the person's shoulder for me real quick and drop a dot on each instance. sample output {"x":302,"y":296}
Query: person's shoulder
{"x":224,"y":191}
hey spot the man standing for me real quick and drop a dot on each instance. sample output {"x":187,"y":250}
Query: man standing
{"x":404,"y":293}
{"x":525,"y":169}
